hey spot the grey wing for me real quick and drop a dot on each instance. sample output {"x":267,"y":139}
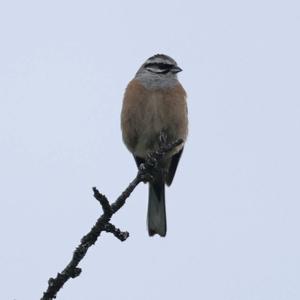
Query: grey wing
{"x":173,"y":166}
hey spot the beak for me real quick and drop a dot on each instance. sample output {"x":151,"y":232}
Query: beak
{"x":176,"y":69}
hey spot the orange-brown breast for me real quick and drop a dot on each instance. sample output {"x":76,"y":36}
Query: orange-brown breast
{"x":146,"y":113}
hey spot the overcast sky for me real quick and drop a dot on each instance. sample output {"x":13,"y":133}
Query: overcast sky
{"x":233,"y":209}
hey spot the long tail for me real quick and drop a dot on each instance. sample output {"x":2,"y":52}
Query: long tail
{"x":156,"y":219}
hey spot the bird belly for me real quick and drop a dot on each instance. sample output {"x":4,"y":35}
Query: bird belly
{"x":156,"y":119}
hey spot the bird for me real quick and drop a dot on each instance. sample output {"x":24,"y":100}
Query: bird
{"x":155,"y":102}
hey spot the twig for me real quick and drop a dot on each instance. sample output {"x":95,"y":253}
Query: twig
{"x":103,"y":222}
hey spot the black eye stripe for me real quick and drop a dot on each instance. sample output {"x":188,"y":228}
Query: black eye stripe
{"x":162,"y":66}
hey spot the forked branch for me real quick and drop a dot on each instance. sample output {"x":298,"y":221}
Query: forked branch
{"x":103,"y":223}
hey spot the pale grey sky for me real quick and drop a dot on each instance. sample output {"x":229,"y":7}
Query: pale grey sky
{"x":233,"y":209}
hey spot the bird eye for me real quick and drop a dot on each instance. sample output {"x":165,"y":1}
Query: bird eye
{"x":164,"y":66}
{"x":158,"y":68}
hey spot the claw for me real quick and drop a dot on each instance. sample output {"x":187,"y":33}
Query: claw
{"x":142,"y":167}
{"x":147,"y":178}
{"x":162,"y":138}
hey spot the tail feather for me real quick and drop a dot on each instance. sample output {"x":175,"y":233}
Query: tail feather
{"x":156,"y":219}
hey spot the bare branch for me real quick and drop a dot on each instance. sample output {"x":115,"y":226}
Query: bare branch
{"x":103,"y":223}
